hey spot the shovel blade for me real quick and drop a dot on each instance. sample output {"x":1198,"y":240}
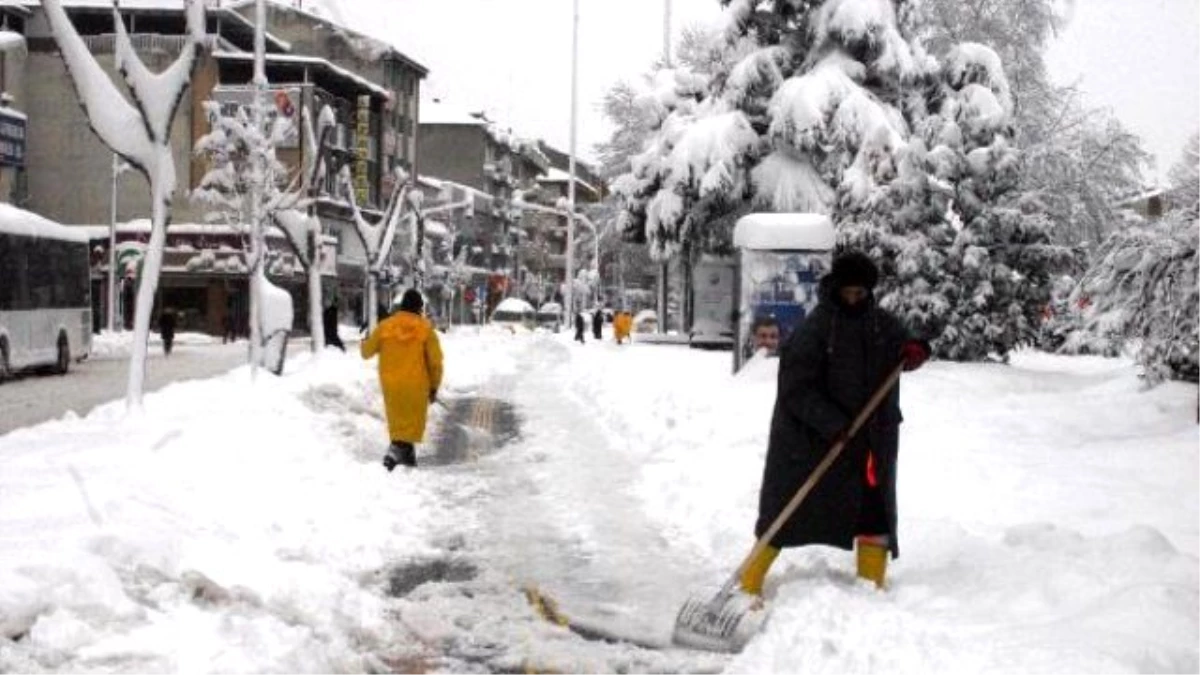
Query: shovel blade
{"x":724,"y":623}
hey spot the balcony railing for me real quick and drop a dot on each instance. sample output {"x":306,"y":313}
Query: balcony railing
{"x":145,"y":43}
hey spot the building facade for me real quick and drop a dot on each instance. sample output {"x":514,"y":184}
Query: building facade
{"x":68,"y":175}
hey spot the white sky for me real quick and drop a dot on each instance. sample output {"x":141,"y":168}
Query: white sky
{"x":513,"y":58}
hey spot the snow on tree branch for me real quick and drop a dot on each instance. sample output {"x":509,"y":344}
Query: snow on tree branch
{"x":140,"y":135}
{"x":1145,"y":286}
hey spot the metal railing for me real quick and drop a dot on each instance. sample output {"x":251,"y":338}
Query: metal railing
{"x":144,"y":43}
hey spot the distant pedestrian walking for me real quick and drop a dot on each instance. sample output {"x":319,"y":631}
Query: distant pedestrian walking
{"x":598,"y":324}
{"x":329,"y":325}
{"x":580,"y":327}
{"x":166,"y":326}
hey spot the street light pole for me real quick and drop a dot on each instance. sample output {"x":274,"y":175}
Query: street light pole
{"x":569,"y":295}
{"x":664,"y":268}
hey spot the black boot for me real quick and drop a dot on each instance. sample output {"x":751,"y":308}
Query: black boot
{"x":400,"y":453}
{"x":408,"y":455}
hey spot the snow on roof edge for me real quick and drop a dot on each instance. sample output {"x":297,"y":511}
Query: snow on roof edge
{"x":340,"y":25}
{"x":18,"y":221}
{"x":784,"y":231}
{"x":310,"y":60}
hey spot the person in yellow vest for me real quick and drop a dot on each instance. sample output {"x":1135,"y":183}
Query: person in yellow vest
{"x":410,"y":372}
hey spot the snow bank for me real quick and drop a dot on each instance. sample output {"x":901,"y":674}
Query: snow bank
{"x":108,"y":345}
{"x":236,"y":526}
{"x":1048,"y":513}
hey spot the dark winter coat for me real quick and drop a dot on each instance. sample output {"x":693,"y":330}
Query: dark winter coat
{"x":329,"y":325}
{"x":580,"y":326}
{"x":598,"y":325}
{"x":828,"y":370}
{"x":166,"y":325}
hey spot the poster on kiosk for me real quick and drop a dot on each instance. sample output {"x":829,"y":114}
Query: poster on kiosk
{"x":781,"y":258}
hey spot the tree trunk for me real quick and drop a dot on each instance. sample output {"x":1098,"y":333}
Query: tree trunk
{"x":151,"y":268}
{"x":316,"y":323}
{"x":256,"y":346}
{"x":372,"y":303}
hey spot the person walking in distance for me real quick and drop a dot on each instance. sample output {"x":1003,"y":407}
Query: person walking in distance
{"x":166,"y":326}
{"x":580,"y":327}
{"x":830,"y":367}
{"x":329,"y":325}
{"x":410,"y":372}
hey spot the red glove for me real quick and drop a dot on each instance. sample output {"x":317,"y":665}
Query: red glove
{"x":915,"y":353}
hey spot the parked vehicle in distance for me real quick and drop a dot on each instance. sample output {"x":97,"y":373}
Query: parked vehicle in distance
{"x":549,"y":316}
{"x":514,"y":313}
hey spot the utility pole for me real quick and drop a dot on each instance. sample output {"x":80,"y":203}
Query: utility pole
{"x":569,"y":294}
{"x":664,"y":268}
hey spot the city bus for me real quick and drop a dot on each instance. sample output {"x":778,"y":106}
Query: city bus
{"x":45,"y":293}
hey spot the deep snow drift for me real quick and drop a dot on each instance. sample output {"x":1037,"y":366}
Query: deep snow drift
{"x":1048,"y":514}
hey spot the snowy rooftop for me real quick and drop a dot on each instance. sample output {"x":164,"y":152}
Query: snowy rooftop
{"x":437,"y":111}
{"x":556,"y":175}
{"x":370,"y":48}
{"x":784,"y":231}
{"x":362,"y":82}
{"x":19,"y":221}
{"x":165,"y":5}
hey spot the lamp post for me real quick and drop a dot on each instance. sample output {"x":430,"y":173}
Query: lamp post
{"x":568,"y":295}
{"x":664,"y":268}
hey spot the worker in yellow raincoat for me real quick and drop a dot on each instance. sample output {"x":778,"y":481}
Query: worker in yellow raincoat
{"x":622,"y":325}
{"x":410,"y":372}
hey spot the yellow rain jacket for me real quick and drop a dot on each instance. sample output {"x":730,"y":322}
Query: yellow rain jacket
{"x":410,"y":369}
{"x":622,"y":325}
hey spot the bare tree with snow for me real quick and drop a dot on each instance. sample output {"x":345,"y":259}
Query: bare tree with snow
{"x":297,"y":217}
{"x":140,"y":132}
{"x":1145,"y":287}
{"x":1185,"y":178}
{"x":379,"y":238}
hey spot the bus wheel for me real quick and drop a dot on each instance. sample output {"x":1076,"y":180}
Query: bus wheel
{"x":5,"y":368}
{"x":63,"y":364}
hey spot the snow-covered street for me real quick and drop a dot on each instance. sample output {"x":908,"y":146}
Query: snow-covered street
{"x":1049,"y":511}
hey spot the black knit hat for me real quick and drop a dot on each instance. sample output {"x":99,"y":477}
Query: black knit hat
{"x":412,"y":301}
{"x":854,"y":269}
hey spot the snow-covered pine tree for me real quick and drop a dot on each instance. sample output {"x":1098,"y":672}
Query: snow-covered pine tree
{"x":835,"y":107}
{"x":997,"y":272}
{"x":1145,"y":285}
{"x":1075,"y":161}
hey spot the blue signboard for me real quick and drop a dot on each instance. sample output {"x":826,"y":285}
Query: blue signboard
{"x":12,"y":139}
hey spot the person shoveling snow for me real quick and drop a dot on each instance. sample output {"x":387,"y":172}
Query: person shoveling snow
{"x":410,"y":372}
{"x":845,"y":359}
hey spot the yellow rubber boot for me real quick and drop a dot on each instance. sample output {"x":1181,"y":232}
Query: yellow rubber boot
{"x":756,"y":572}
{"x":873,"y":559}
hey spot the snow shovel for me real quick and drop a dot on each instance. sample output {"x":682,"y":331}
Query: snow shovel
{"x":713,"y":624}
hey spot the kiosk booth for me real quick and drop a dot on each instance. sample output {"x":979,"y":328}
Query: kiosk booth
{"x":780,"y":260}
